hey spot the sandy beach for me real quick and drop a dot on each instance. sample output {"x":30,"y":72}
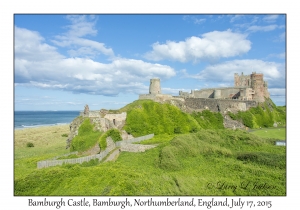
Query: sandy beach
{"x":40,"y":136}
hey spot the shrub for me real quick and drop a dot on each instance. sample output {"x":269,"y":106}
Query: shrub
{"x":207,"y":119}
{"x":168,"y":160}
{"x":92,"y":162}
{"x":113,"y":133}
{"x":86,"y":137}
{"x":145,"y":117}
{"x":29,"y":144}
{"x":264,"y":158}
{"x":64,"y":135}
{"x":264,"y":115}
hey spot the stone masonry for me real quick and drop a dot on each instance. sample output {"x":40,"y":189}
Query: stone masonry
{"x":247,"y":91}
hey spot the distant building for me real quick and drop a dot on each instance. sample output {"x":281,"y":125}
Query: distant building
{"x":246,"y":87}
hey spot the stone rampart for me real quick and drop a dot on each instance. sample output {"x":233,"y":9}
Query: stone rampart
{"x":219,"y":105}
{"x":90,"y":114}
{"x":110,"y":147}
{"x":138,"y":139}
{"x":48,"y":163}
{"x":156,"y":97}
{"x":135,"y":147}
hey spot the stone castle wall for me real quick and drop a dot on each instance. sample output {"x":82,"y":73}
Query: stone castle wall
{"x":219,"y":105}
{"x":156,"y":97}
{"x":223,"y":92}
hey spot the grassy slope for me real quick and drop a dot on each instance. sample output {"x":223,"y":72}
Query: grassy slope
{"x":86,"y":137}
{"x":145,"y":117}
{"x":182,"y":164}
{"x":275,"y":133}
{"x":48,"y":143}
{"x":264,"y":115}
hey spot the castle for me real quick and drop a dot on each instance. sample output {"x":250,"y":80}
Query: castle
{"x":247,"y":91}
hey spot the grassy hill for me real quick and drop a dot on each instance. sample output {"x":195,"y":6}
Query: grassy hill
{"x":201,"y":163}
{"x":195,"y":156}
{"x":145,"y":117}
{"x":264,"y":115}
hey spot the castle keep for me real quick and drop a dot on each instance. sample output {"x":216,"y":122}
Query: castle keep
{"x":247,"y":91}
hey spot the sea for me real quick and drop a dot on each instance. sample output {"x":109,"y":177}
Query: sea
{"x":31,"y":119}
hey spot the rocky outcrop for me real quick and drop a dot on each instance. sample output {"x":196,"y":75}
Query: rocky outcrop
{"x":230,"y":123}
{"x":74,"y":126}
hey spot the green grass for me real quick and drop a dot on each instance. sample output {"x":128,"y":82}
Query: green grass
{"x":183,"y":164}
{"x":274,"y":133}
{"x":145,"y":117}
{"x":113,"y":133}
{"x":194,"y":154}
{"x":86,"y":137}
{"x":209,"y":120}
{"x":264,"y":115}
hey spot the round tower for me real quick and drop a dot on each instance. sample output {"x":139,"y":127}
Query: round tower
{"x":154,"y":86}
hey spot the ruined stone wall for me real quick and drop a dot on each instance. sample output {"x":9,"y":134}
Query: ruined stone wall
{"x":219,"y":105}
{"x":102,"y":124}
{"x":242,"y":80}
{"x":228,"y":92}
{"x":147,"y":96}
{"x":90,"y":114}
{"x":117,"y":120}
{"x":156,"y":97}
{"x":205,"y":93}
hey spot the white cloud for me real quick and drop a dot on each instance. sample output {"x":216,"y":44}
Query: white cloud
{"x":235,"y":17}
{"x":82,"y":26}
{"x":88,"y":76}
{"x":194,"y":19}
{"x":281,"y":38}
{"x":211,"y":46}
{"x":277,"y":91}
{"x":280,"y":55}
{"x":274,"y":73}
{"x":173,"y":91}
{"x":270,"y":18}
{"x":256,"y":28}
{"x":29,"y":45}
{"x":40,"y":65}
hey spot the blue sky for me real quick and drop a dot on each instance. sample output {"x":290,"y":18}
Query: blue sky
{"x":63,"y":62}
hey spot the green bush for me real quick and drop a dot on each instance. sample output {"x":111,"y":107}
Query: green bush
{"x":264,"y":158}
{"x":145,"y":117}
{"x":29,"y":144}
{"x":86,"y":137}
{"x":208,"y":120}
{"x":90,"y":163}
{"x":181,"y":165}
{"x":113,"y":133}
{"x":264,"y":115}
{"x":64,"y":135}
{"x":168,"y":159}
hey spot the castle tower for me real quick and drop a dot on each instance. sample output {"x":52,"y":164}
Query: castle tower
{"x":154,"y":87}
{"x":257,"y":83}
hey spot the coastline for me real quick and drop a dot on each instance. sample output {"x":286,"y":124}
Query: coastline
{"x":38,"y":126}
